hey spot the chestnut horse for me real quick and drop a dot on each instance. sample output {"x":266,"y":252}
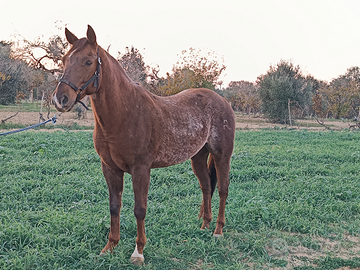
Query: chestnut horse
{"x":136,"y":131}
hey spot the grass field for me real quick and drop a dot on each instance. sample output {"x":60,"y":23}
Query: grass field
{"x":294,"y":203}
{"x":25,"y":107}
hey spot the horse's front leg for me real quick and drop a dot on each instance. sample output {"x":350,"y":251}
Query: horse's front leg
{"x":115,"y":182}
{"x":141,"y":182}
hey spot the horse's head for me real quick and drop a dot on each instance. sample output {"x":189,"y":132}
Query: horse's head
{"x":81,"y":71}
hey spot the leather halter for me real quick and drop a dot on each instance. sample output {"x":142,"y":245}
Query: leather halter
{"x":78,"y":90}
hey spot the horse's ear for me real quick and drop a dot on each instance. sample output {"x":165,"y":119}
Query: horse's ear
{"x":71,"y":38}
{"x":91,"y":35}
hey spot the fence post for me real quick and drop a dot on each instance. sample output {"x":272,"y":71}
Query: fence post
{"x":289,"y":111}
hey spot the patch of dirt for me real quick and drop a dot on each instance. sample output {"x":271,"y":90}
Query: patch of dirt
{"x":31,"y":118}
{"x":346,"y":248}
{"x":243,"y":122}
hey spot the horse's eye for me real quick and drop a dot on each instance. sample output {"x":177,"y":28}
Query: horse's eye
{"x":88,"y":63}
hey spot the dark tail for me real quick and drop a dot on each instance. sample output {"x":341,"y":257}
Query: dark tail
{"x":213,"y":181}
{"x":212,"y":173}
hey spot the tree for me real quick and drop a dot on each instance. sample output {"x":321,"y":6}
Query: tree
{"x":45,"y":55}
{"x":38,"y":78}
{"x":341,"y":97}
{"x":133,"y":64}
{"x":243,"y":96}
{"x":15,"y":75}
{"x":193,"y":70}
{"x":45,"y":92}
{"x":206,"y":68}
{"x":339,"y":100}
{"x":282,"y":87}
{"x":179,"y":80}
{"x":352,"y":75}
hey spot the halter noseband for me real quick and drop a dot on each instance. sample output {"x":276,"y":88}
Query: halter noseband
{"x":95,"y":78}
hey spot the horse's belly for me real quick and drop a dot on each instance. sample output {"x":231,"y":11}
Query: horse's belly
{"x":175,"y":150}
{"x":170,"y":157}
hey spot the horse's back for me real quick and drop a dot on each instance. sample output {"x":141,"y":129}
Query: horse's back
{"x":203,"y":100}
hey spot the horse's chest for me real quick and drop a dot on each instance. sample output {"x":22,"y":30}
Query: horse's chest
{"x":111,"y":154}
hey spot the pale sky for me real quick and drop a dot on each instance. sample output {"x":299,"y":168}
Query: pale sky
{"x":322,"y":36}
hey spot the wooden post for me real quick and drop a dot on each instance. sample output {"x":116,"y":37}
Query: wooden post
{"x":289,"y":111}
{"x":31,"y":95}
{"x":41,"y":118}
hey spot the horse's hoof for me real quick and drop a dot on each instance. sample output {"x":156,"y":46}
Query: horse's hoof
{"x":217,"y":235}
{"x":137,"y":258}
{"x":103,"y":253}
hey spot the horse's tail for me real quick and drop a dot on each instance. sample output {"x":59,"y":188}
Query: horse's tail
{"x":213,"y":181}
{"x":212,"y":174}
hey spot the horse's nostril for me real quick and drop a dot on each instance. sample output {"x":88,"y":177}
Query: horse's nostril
{"x":64,"y":100}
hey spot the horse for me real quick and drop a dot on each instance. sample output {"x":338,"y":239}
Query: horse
{"x":136,"y":131}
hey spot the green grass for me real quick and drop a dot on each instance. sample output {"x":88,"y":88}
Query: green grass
{"x":25,"y":107}
{"x":308,"y":124}
{"x":49,"y":126}
{"x":288,"y":189}
{"x":28,"y":107}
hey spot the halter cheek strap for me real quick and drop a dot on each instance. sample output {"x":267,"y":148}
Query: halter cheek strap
{"x":94,"y":78}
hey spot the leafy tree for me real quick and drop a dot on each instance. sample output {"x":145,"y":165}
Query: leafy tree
{"x":44,"y":57}
{"x":193,"y":70}
{"x":38,"y":79}
{"x":133,"y":63}
{"x":352,"y":75}
{"x":243,"y":96}
{"x":282,"y":86}
{"x":3,"y":78}
{"x":318,"y":106}
{"x":179,"y":80}
{"x":15,"y":75}
{"x":206,"y":69}
{"x":45,"y":91}
{"x":341,"y":97}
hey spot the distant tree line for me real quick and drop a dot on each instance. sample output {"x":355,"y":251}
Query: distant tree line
{"x":282,"y":94}
{"x":285,"y":93}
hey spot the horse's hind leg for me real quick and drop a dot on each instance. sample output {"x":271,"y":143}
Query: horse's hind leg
{"x":222,"y":165}
{"x":115,"y":182}
{"x":199,"y":165}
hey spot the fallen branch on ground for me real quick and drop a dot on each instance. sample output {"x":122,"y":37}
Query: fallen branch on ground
{"x":357,"y":125}
{"x":41,"y":118}
{"x":323,"y":124}
{"x":4,"y":120}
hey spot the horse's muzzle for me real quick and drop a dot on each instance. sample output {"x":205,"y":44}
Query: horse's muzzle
{"x":62,"y":103}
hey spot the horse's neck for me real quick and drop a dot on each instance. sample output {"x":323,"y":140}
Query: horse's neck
{"x":111,"y":100}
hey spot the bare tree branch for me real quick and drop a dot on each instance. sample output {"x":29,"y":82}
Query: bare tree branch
{"x":4,"y":120}
{"x":323,"y":124}
{"x":357,"y":125}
